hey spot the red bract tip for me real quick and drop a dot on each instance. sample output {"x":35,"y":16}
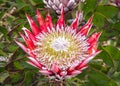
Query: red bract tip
{"x":28,"y":34}
{"x":75,"y":23}
{"x":33,"y":25}
{"x":85,"y":29}
{"x":35,"y":62}
{"x":48,"y":21}
{"x":28,"y":42}
{"x":55,"y":68}
{"x":94,"y":38}
{"x":41,"y":21}
{"x":86,"y":61}
{"x":61,"y":22}
{"x":22,"y":46}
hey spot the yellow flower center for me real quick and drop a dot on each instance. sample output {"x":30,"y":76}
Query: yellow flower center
{"x":63,"y":47}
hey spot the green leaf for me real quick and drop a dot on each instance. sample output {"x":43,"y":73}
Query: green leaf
{"x":90,"y":6}
{"x":32,"y":2}
{"x":28,"y":79}
{"x":2,"y":53}
{"x":113,"y":52}
{"x":28,"y":66}
{"x":20,"y":4}
{"x":16,"y":77}
{"x":100,"y":79}
{"x":106,"y":58}
{"x":3,"y":76}
{"x":3,"y":30}
{"x":107,"y":11}
{"x":116,"y":77}
{"x":117,"y":26}
{"x":98,"y":20}
{"x":18,"y":65}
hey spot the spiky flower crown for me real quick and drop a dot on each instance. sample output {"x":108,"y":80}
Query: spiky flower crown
{"x":59,"y":51}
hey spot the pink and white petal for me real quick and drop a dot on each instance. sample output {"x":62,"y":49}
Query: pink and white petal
{"x":41,"y":21}
{"x":83,"y":67}
{"x":90,"y":20}
{"x":92,"y":49}
{"x":33,"y":25}
{"x":22,"y":46}
{"x":63,"y":73}
{"x":58,"y":77}
{"x":33,"y":64}
{"x":87,"y":60}
{"x":94,"y":38}
{"x":45,"y":72}
{"x":28,"y":34}
{"x":26,"y":49}
{"x":28,"y":42}
{"x":90,"y":58}
{"x":71,"y":68}
{"x":76,"y":72}
{"x":75,"y":23}
{"x":61,"y":22}
{"x":36,"y":62}
{"x":48,"y":21}
{"x":86,"y":28}
{"x":55,"y":68}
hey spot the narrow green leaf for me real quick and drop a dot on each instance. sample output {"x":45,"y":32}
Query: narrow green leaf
{"x":100,"y":79}
{"x":3,"y":76}
{"x":113,"y":51}
{"x":108,"y":11}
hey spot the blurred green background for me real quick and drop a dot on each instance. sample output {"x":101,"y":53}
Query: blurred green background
{"x":103,"y":70}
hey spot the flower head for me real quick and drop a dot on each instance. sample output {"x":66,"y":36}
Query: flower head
{"x":58,"y":4}
{"x":59,"y":51}
{"x":117,"y":2}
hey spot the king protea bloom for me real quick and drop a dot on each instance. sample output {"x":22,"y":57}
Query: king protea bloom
{"x":58,"y":4}
{"x":59,"y":51}
{"x":117,"y":2}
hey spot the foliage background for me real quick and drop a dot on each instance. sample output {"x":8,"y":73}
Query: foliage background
{"x":103,"y":70}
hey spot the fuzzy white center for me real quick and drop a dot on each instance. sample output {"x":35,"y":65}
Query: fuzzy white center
{"x":60,"y":44}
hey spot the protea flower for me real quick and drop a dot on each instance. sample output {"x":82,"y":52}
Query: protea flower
{"x":58,"y":4}
{"x":117,"y":2}
{"x":59,"y":51}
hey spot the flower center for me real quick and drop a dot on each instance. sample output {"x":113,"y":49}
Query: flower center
{"x":60,"y":44}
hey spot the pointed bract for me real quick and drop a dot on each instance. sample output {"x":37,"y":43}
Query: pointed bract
{"x":94,"y":38}
{"x":28,"y":42}
{"x":45,"y":72}
{"x":28,"y":34}
{"x":86,"y":61}
{"x":55,"y":68}
{"x":22,"y":46}
{"x":85,"y":29}
{"x":33,"y":25}
{"x":36,"y":62}
{"x":48,"y":21}
{"x":61,"y":21}
{"x":41,"y":21}
{"x":75,"y":23}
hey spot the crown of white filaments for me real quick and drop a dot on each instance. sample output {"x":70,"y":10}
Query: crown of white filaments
{"x":61,"y":46}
